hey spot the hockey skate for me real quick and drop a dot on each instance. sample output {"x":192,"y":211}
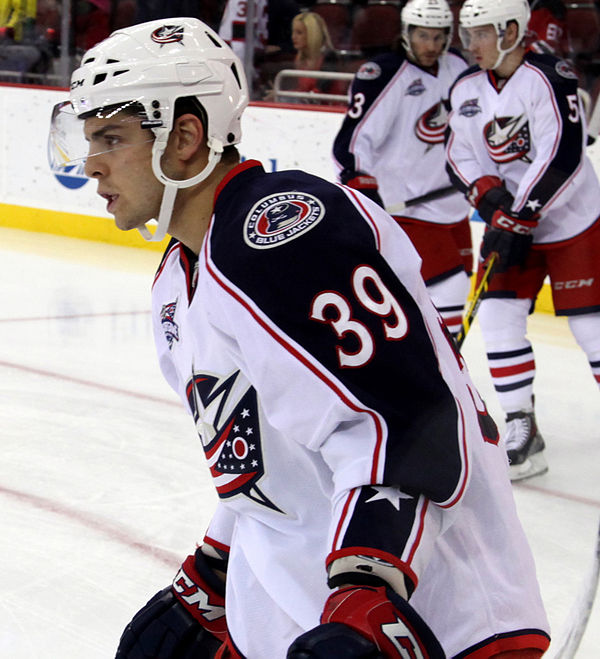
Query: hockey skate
{"x":524,"y":446}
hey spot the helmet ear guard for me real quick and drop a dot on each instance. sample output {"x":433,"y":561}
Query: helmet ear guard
{"x":426,"y":13}
{"x":498,"y":14}
{"x":154,"y":64}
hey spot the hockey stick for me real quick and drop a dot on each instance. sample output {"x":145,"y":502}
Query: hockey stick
{"x":477,"y":297}
{"x":396,"y":209}
{"x":576,"y":623}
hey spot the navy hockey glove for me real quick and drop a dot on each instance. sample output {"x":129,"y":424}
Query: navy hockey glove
{"x":365,"y":184}
{"x":510,"y":237}
{"x":489,"y":197}
{"x":184,"y":621}
{"x":367,"y":622}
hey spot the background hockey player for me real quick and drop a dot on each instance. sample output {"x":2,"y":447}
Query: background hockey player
{"x":391,"y":147}
{"x":517,"y":148}
{"x":365,"y":509}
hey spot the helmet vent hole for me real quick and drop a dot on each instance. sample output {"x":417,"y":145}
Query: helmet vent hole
{"x":112,"y":61}
{"x":101,"y":77}
{"x":118,"y":73}
{"x":89,"y":60}
{"x":236,"y":75}
{"x":217,"y":44}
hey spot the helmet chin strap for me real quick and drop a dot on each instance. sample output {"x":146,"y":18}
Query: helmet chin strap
{"x":172,"y":186}
{"x":502,"y":53}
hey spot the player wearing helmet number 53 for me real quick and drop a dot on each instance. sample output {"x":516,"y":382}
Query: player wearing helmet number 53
{"x":516,"y":147}
{"x":364,"y":507}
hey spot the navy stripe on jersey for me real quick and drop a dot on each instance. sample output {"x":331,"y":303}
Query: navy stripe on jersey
{"x":401,"y":382}
{"x":566,"y":159}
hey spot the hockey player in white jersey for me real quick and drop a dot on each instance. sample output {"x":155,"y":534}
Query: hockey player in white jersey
{"x":364,"y":506}
{"x":391,"y":147}
{"x":517,"y":149}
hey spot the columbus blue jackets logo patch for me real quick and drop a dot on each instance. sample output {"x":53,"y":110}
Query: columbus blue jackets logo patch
{"x":227,"y":421}
{"x":565,"y":69}
{"x":168,"y":34}
{"x":281,"y":217}
{"x":431,"y":126}
{"x":168,"y":324}
{"x":416,"y":88}
{"x":469,"y":108}
{"x":507,"y":138}
{"x":369,"y":71}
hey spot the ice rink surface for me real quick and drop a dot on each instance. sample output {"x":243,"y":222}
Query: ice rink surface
{"x":103,"y":485}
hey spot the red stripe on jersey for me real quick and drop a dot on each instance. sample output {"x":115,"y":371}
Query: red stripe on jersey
{"x":465,"y":460}
{"x":353,"y":495}
{"x":597,"y":378}
{"x":215,"y":543}
{"x":352,"y":193}
{"x":520,"y":641}
{"x":164,"y":262}
{"x":515,"y":369}
{"x":311,"y":367}
{"x":417,"y":541}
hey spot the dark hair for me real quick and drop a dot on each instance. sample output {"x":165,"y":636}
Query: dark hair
{"x":191,"y":105}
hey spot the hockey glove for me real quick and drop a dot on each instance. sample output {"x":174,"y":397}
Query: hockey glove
{"x":510,"y":237}
{"x":489,"y":197}
{"x":365,"y":184}
{"x":367,"y":622}
{"x":184,"y":621}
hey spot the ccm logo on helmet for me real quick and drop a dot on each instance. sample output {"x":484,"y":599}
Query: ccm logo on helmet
{"x":573,"y":283}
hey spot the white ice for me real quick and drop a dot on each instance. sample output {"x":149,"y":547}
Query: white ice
{"x":103,"y":485}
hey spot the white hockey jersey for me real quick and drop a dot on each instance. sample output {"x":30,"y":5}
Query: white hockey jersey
{"x":531,"y":133}
{"x":334,"y":413}
{"x":394,"y":130}
{"x":232,"y":28}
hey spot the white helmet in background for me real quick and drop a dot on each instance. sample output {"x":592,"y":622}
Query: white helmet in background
{"x":152,"y":65}
{"x":498,"y":13}
{"x":426,"y":13}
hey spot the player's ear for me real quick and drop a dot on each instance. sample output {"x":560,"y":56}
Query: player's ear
{"x":511,"y":35}
{"x":188,"y":136}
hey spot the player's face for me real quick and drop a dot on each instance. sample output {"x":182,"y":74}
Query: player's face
{"x":482,"y":43}
{"x":299,"y":35}
{"x":427,"y":44}
{"x":120,"y":159}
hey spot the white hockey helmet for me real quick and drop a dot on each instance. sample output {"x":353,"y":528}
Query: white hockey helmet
{"x":426,"y":13}
{"x":498,"y":13}
{"x":153,"y":64}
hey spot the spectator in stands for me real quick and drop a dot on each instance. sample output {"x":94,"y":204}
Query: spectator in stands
{"x":547,"y":29}
{"x":92,"y":22}
{"x":208,"y":11}
{"x":17,"y":17}
{"x":314,"y":52}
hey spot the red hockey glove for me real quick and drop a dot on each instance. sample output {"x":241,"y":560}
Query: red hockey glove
{"x":488,"y":195}
{"x":367,"y":622}
{"x":185,"y":619}
{"x":367,"y":185}
{"x":510,"y":237}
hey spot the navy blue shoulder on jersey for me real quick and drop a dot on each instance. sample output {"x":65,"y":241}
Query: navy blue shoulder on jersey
{"x":368,"y":84}
{"x":401,"y":379}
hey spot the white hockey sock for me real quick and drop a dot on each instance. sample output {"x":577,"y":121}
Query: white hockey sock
{"x":586,"y":330}
{"x":510,"y":356}
{"x":449,"y":297}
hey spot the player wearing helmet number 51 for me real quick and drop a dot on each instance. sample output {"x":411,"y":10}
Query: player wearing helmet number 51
{"x":364,"y":507}
{"x":516,"y":147}
{"x":391,"y":147}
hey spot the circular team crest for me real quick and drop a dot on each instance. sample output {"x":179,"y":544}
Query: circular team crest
{"x":279,"y":218}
